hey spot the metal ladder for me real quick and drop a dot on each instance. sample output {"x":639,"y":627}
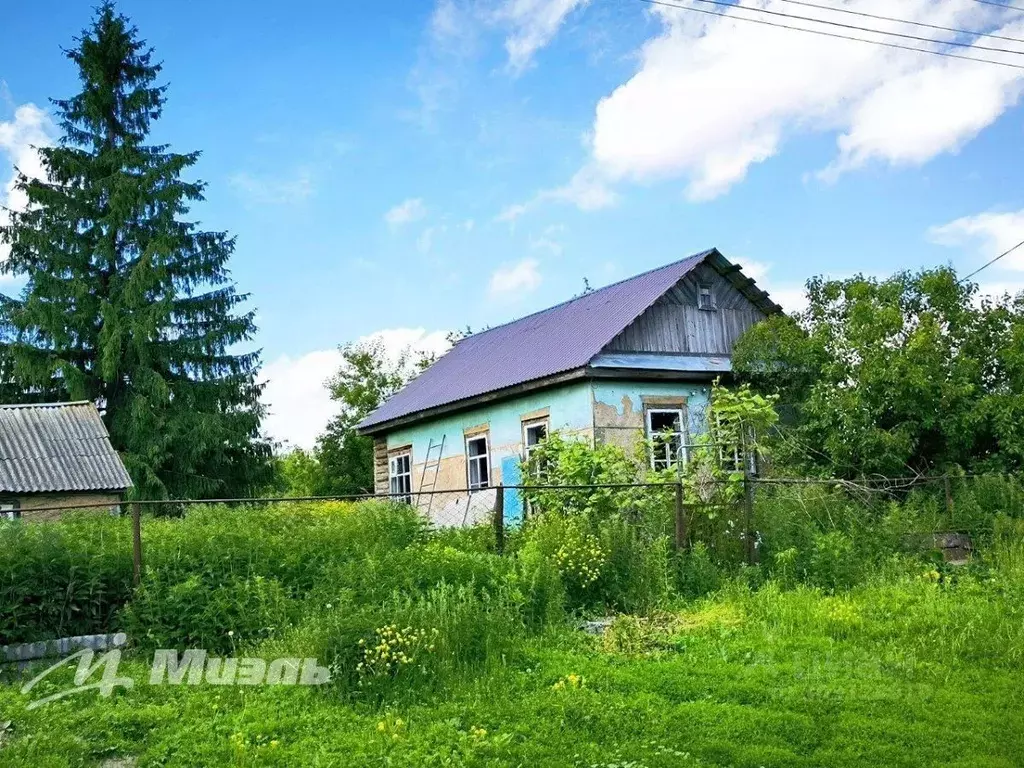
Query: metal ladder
{"x":429,"y":464}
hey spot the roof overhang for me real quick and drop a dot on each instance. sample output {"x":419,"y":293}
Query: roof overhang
{"x":473,"y":402}
{"x":616,"y":366}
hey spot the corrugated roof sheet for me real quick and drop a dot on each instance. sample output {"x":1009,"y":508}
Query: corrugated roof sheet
{"x":555,"y":340}
{"x":53,"y":447}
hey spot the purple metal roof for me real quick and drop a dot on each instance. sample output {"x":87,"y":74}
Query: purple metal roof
{"x":555,"y":340}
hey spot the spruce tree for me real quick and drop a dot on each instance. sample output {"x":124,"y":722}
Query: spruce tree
{"x":126,"y":303}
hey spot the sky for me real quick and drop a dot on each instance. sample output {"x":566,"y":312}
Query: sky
{"x":396,"y":170}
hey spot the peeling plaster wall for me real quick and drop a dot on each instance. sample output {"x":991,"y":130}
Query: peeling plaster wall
{"x":568,"y":411}
{"x":619,"y":407}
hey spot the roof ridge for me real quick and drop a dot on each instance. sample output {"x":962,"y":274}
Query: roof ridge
{"x":699,"y":254}
{"x":46,"y":405}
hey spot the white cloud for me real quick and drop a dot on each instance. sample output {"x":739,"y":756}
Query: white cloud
{"x":987,"y":234}
{"x":406,"y":212}
{"x":791,"y":297}
{"x":31,"y":127}
{"x":714,"y":96}
{"x":298,"y":403}
{"x":269,"y":190}
{"x":532,"y":24}
{"x":544,"y":243}
{"x":587,"y":190}
{"x":512,"y":212}
{"x":425,"y":242}
{"x":509,"y":278}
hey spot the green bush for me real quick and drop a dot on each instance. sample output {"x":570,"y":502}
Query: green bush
{"x":197,"y":614}
{"x":63,"y":579}
{"x":697,"y":575}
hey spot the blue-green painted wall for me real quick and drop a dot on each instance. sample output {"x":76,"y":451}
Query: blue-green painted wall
{"x":572,"y":408}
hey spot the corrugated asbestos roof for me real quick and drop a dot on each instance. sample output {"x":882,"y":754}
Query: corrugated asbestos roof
{"x":552,"y":341}
{"x":53,"y":447}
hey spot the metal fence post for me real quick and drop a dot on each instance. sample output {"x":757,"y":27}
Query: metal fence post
{"x":748,"y":500}
{"x":949,"y":497}
{"x":680,"y":519}
{"x":499,"y":519}
{"x":136,"y":543}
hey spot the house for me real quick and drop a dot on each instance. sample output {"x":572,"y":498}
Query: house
{"x":632,"y":360}
{"x":56,"y":455}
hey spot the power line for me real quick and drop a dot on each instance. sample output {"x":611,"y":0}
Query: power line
{"x":904,"y":21}
{"x":841,"y":25}
{"x":990,"y":263}
{"x":823,"y":33}
{"x":1007,"y":6}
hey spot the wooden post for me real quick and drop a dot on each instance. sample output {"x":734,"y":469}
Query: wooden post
{"x":136,"y":543}
{"x":680,"y":519}
{"x":499,"y":519}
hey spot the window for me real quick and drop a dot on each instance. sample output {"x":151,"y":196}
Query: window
{"x":477,"y":462}
{"x":733,"y":458}
{"x":400,"y":474}
{"x":9,"y":510}
{"x":665,"y":431}
{"x":705,"y":298}
{"x":534,"y":433}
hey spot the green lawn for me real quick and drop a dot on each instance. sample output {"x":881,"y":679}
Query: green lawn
{"x":907,"y":674}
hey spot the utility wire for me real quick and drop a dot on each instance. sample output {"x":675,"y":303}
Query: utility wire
{"x":1007,"y":6}
{"x":841,"y":25}
{"x":990,"y":263}
{"x":904,"y":21}
{"x":823,"y":33}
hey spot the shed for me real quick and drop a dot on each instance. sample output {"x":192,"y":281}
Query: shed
{"x":56,"y":455}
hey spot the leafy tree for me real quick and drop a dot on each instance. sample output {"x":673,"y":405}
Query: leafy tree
{"x":912,"y":374}
{"x":126,"y":303}
{"x":365,"y":379}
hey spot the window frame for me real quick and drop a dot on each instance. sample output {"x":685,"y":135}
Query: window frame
{"x":10,"y":509}
{"x":706,"y":289}
{"x":683,"y":449}
{"x":528,"y":425}
{"x":484,"y":458}
{"x":395,"y":477}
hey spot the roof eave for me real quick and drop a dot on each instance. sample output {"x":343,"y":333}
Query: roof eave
{"x":471,"y":402}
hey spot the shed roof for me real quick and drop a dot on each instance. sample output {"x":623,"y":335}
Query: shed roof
{"x":57,"y":447}
{"x":554,"y":341}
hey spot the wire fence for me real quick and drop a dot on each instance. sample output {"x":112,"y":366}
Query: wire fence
{"x":735,"y":516}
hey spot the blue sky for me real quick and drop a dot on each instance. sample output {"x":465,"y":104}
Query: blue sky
{"x":415,"y":167}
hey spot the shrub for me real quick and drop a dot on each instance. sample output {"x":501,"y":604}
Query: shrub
{"x":697,"y":575}
{"x":832,"y":564}
{"x":62,"y":579}
{"x":197,"y":614}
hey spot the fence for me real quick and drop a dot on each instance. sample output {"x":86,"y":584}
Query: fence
{"x":688,"y":511}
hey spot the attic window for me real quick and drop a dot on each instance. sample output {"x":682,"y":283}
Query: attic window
{"x":705,"y":297}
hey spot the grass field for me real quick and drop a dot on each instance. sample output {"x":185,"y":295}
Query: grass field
{"x":903,"y":674}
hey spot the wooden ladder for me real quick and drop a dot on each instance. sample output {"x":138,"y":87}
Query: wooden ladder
{"x":431,"y":463}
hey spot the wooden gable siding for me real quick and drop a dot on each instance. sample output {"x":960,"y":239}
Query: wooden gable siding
{"x":675,"y":324}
